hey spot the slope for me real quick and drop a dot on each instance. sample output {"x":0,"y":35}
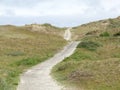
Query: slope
{"x":96,"y":61}
{"x":21,"y":48}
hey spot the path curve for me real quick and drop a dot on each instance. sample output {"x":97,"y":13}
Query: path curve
{"x":38,"y":77}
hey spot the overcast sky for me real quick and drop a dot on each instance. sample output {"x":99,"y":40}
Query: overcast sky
{"x":57,"y":12}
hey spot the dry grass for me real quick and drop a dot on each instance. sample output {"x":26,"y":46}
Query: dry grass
{"x":20,"y":49}
{"x":92,"y":70}
{"x":97,"y":69}
{"x":112,"y":26}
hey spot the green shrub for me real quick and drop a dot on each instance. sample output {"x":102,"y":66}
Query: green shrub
{"x":3,"y":84}
{"x":30,"y":61}
{"x":117,"y":34}
{"x":46,"y":24}
{"x":89,"y":45}
{"x":105,"y":34}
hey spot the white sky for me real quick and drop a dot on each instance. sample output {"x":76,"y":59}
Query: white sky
{"x":57,"y":12}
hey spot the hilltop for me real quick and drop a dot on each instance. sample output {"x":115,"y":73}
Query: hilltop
{"x":45,"y":28}
{"x":112,"y":26}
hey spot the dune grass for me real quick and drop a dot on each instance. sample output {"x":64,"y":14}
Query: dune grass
{"x":21,"y":48}
{"x":87,"y":69}
{"x":95,"y":65}
{"x":108,"y":27}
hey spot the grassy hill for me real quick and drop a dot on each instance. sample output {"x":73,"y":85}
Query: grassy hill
{"x":95,"y":65}
{"x":112,"y":26}
{"x":22,"y":47}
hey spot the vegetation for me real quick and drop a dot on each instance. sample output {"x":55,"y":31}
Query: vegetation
{"x":108,"y":27}
{"x":105,"y":34}
{"x":95,"y":65}
{"x":92,"y":70}
{"x":88,"y":45}
{"x":114,"y":23}
{"x":21,"y":48}
{"x":117,"y":34}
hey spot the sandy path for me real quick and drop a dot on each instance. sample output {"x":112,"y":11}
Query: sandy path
{"x":38,"y":77}
{"x":67,"y":35}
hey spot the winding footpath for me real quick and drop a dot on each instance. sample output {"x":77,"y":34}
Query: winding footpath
{"x":67,"y":35}
{"x":38,"y":77}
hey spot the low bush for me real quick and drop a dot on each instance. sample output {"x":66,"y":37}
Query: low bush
{"x":117,"y":34}
{"x":89,"y":45}
{"x":105,"y":34}
{"x":28,"y":61}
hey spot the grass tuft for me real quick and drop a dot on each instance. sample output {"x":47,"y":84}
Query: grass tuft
{"x":89,"y":45}
{"x":105,"y":34}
